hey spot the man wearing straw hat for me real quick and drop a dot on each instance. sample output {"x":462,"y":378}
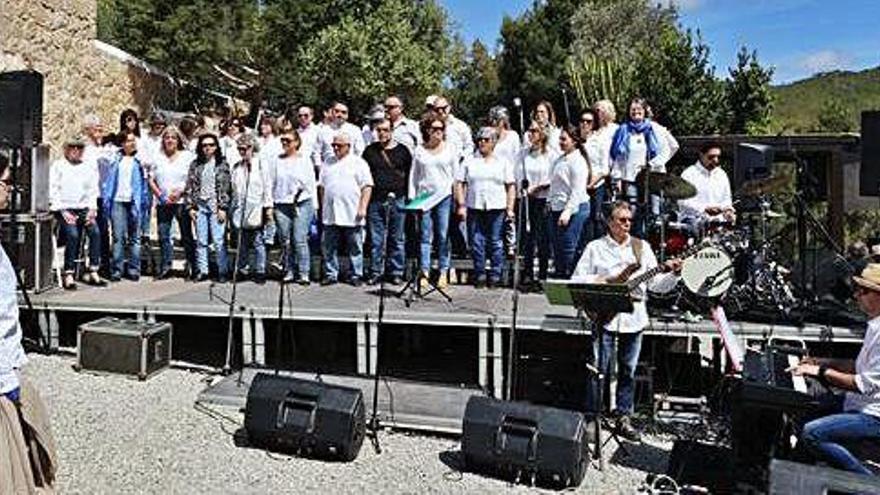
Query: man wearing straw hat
{"x":855,"y":415}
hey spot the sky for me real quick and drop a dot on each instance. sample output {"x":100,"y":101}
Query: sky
{"x":797,"y":37}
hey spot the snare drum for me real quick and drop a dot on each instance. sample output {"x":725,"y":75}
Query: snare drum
{"x":709,"y":273}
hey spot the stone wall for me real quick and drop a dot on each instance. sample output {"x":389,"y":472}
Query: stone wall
{"x":57,"y":38}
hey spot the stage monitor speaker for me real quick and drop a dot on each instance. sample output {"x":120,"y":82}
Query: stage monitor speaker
{"x":702,"y":464}
{"x":518,"y":440}
{"x":751,"y":161}
{"x":305,"y":417}
{"x":869,"y":170}
{"x":21,"y":108}
{"x":29,"y":247}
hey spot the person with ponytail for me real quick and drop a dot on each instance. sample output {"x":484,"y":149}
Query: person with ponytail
{"x":568,"y":201}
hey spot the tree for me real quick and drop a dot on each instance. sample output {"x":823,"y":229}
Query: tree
{"x":477,"y":86}
{"x":748,"y":95}
{"x":834,"y":116}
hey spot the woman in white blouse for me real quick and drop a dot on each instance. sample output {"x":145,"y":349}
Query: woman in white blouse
{"x":294,"y":193}
{"x":484,"y":190}
{"x":432,"y":175}
{"x":544,"y":115}
{"x":568,"y":202}
{"x":167,"y":181}
{"x":535,"y":162}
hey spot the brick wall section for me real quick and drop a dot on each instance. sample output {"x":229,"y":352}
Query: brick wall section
{"x":55,"y":37}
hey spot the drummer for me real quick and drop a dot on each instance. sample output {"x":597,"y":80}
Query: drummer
{"x":713,"y":203}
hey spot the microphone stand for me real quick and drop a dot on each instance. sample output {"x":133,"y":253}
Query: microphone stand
{"x":227,"y":366}
{"x":374,"y":417}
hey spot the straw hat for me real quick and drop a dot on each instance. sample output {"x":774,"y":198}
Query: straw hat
{"x":870,"y":277}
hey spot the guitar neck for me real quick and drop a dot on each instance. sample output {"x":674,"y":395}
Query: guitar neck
{"x":634,"y":282}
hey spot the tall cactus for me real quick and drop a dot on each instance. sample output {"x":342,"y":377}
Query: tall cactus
{"x":594,"y":78}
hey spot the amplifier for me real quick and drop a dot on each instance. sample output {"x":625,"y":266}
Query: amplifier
{"x":30,"y":248}
{"x":124,"y":346}
{"x":31,"y":194}
{"x":518,"y":440}
{"x":21,"y":108}
{"x":305,"y":417}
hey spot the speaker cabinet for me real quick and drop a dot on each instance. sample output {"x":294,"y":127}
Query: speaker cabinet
{"x":21,"y":108}
{"x":751,"y":161}
{"x":869,"y":171}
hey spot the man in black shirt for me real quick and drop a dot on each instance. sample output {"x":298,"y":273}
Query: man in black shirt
{"x":390,"y":164}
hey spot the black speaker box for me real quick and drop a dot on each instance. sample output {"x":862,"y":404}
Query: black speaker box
{"x":869,"y":171}
{"x":29,"y":247}
{"x":701,"y":464}
{"x":518,"y":440}
{"x":305,"y":417}
{"x":21,"y":108}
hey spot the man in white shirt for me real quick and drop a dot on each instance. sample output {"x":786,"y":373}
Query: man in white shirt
{"x":344,"y":188}
{"x":458,"y":134}
{"x":603,"y":260}
{"x":340,"y":124}
{"x":406,"y":130}
{"x":308,"y":134}
{"x":713,"y":202}
{"x":855,"y":415}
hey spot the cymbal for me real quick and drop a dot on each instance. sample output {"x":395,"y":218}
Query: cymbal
{"x":672,"y":186}
{"x":757,"y":213}
{"x":758,"y":187}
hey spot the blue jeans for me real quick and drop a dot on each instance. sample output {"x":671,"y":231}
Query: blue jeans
{"x":376,"y":212}
{"x":435,"y":222}
{"x":146,"y":216}
{"x":125,"y":231}
{"x":165,"y":215}
{"x":823,"y":436}
{"x":597,"y":213}
{"x":565,"y":240}
{"x":485,"y":228}
{"x":104,"y":233}
{"x":252,"y":242}
{"x":73,"y":234}
{"x":292,"y":225}
{"x":354,"y":242}
{"x":536,"y":238}
{"x":208,"y":226}
{"x":629,"y":345}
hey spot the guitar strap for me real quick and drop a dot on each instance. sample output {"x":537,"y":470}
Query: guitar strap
{"x":636,"y":244}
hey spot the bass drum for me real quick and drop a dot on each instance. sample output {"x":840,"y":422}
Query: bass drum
{"x":709,"y":273}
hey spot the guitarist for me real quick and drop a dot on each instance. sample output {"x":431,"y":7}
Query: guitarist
{"x":616,"y":258}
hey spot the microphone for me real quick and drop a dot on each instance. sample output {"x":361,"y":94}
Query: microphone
{"x":391,"y":196}
{"x":517,"y":102}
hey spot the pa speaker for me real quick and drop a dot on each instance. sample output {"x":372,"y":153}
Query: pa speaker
{"x":21,"y":108}
{"x":519,"y":440}
{"x":869,"y":171}
{"x":751,"y":162}
{"x":305,"y":417}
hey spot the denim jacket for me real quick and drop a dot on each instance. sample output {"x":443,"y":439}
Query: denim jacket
{"x":139,"y":190}
{"x":222,"y":184}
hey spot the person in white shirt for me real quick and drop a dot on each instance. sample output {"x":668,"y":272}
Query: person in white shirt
{"x":100,"y":151}
{"x":295,"y":196}
{"x":484,"y":190}
{"x":371,"y":120}
{"x":153,"y":140}
{"x":344,"y":186}
{"x":73,"y":196}
{"x":543,"y":114}
{"x":713,"y":202}
{"x":568,"y":202}
{"x":406,"y":130}
{"x":167,"y":181}
{"x":268,"y":142}
{"x":308,"y":132}
{"x":603,"y":260}
{"x":508,"y":147}
{"x":638,"y":144}
{"x":433,"y":173}
{"x":338,"y":125}
{"x":532,"y":171}
{"x":458,"y":134}
{"x":251,"y":208}
{"x":598,"y":146}
{"x":230,"y":129}
{"x":852,"y":416}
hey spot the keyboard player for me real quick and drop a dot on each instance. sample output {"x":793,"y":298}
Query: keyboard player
{"x":855,"y":415}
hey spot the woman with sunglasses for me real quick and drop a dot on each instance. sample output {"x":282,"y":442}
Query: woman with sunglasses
{"x":484,"y":191}
{"x":208,"y":194}
{"x":535,"y":162}
{"x":230,"y":129}
{"x":294,"y":192}
{"x":434,"y":164}
{"x":568,"y":202}
{"x":251,"y":208}
{"x":168,"y":181}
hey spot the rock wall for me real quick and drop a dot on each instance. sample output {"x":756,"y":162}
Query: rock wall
{"x":57,"y":38}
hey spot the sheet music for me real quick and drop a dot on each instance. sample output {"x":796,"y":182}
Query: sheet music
{"x":799,"y":382}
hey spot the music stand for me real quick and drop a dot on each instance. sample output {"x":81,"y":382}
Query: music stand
{"x":420,"y":205}
{"x":602,"y":302}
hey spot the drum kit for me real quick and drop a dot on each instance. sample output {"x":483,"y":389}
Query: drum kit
{"x":737,"y":264}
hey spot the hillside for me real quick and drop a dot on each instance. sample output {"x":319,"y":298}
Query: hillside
{"x":797,"y":106}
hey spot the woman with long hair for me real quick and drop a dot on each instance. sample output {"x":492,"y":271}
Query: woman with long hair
{"x":568,"y":202}
{"x":433,"y":169}
{"x":544,"y":115}
{"x":168,"y":181}
{"x":536,"y":163}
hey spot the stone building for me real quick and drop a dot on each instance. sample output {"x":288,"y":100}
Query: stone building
{"x":82,"y":75}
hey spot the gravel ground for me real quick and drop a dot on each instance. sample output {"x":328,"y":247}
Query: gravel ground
{"x":117,"y":435}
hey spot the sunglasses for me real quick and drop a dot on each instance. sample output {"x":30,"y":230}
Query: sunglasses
{"x":623,"y":219}
{"x":339,"y":145}
{"x":442,"y":109}
{"x":437,"y":128}
{"x":304,"y":115}
{"x":286,"y":140}
{"x":483,"y":140}
{"x":212,"y":145}
{"x":587,"y":121}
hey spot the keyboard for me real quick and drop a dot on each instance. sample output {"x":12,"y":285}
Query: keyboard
{"x":768,"y":383}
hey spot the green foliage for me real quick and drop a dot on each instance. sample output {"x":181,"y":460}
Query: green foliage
{"x":834,"y":116}
{"x":749,"y":97}
{"x":476,"y":87}
{"x":798,"y":106}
